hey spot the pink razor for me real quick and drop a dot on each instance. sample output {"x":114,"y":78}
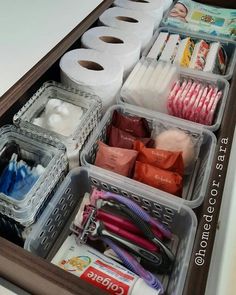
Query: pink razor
{"x":131,"y":237}
{"x":96,"y":195}
{"x":124,"y":223}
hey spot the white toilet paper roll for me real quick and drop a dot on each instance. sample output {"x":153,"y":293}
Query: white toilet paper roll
{"x":154,"y":8}
{"x":131,"y":21}
{"x":92,"y":71}
{"x":123,"y":46}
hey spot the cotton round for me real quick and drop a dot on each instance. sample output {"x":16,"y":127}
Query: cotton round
{"x":105,"y":80}
{"x":154,"y":8}
{"x":135,"y":22}
{"x":122,"y":45}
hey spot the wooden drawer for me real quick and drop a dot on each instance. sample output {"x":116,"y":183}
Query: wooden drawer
{"x":36,"y":275}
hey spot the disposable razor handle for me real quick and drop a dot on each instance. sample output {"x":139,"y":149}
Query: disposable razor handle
{"x":132,"y":264}
{"x":152,"y":257}
{"x":96,"y":194}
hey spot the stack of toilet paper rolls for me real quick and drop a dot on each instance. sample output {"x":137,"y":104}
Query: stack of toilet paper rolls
{"x":131,"y":21}
{"x":111,"y":51}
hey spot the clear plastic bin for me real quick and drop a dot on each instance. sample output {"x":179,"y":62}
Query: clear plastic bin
{"x":222,"y":84}
{"x":37,"y":150}
{"x":180,"y":219}
{"x":229,"y":47}
{"x":90,"y":104}
{"x":195,"y":184}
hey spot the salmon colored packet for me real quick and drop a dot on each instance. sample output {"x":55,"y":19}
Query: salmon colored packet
{"x":122,"y":139}
{"x":170,"y":182}
{"x":168,"y":160}
{"x":134,"y":125}
{"x":118,"y":160}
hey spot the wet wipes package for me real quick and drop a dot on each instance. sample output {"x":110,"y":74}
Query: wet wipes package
{"x":192,"y":16}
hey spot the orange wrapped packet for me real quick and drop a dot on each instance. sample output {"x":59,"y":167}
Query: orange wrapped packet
{"x":115,"y":159}
{"x":168,"y":160}
{"x":170,"y":182}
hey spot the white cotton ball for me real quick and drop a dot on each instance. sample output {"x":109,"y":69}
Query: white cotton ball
{"x":73,"y":109}
{"x":51,"y":105}
{"x":63,"y":118}
{"x":59,"y":124}
{"x":54,"y":119}
{"x":73,"y":119}
{"x":63,"y":110}
{"x":55,"y":123}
